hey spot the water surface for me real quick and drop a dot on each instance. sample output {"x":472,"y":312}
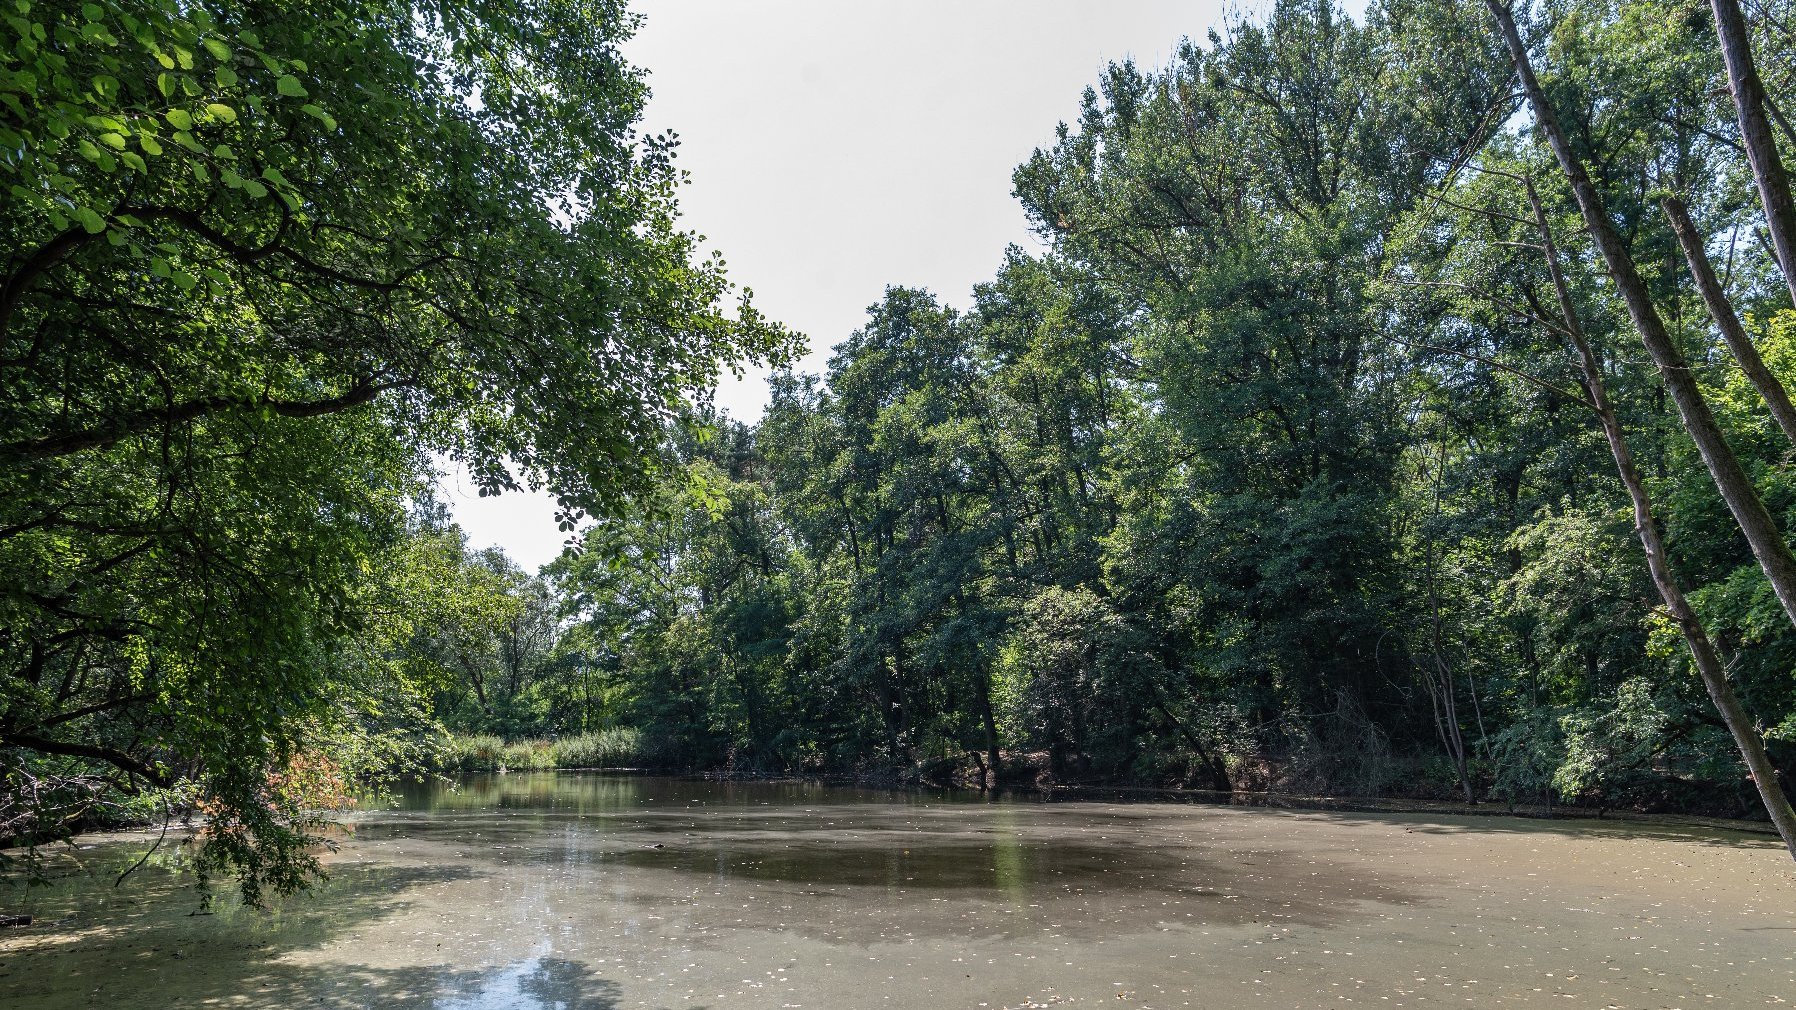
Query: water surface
{"x":591,"y":892}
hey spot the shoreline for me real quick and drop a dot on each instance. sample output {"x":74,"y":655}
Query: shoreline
{"x":1101,"y":793}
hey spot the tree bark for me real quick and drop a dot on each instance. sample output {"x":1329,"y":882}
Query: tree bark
{"x":994,"y":766}
{"x":1443,"y":701}
{"x":1702,"y":651}
{"x":1755,"y":133}
{"x":1722,"y":311}
{"x":1730,"y":478}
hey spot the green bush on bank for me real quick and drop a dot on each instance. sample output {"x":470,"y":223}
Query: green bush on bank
{"x":608,"y":748}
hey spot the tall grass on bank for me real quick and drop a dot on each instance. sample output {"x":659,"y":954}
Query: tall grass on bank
{"x":607,"y":748}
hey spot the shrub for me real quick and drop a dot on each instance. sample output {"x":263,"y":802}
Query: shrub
{"x":607,"y":748}
{"x":472,"y":754}
{"x":527,"y":755}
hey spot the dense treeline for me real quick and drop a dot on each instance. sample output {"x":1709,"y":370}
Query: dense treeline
{"x":1278,"y":468}
{"x":1395,"y":407}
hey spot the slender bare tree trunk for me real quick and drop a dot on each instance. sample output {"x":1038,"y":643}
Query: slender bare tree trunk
{"x":1755,"y":133}
{"x":1730,"y":478}
{"x":1440,"y":682}
{"x":1702,"y":650}
{"x":1722,"y":311}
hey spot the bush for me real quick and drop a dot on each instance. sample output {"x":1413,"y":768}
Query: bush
{"x":472,"y":754}
{"x":608,"y":748}
{"x":527,"y":756}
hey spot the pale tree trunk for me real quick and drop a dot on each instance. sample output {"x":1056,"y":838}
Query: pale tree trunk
{"x":1756,"y":135}
{"x":1442,"y":699}
{"x":1722,"y":311}
{"x":1730,"y":478}
{"x":1702,"y":650}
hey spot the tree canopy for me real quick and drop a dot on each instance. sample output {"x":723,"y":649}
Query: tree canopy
{"x":265,"y":266}
{"x":1279,"y":467}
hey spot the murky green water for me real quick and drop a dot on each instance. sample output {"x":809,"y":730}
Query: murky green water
{"x":556,"y":892}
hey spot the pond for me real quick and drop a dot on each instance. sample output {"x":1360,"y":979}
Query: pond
{"x":568,"y":891}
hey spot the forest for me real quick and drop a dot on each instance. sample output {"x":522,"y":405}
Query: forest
{"x":1394,"y":407}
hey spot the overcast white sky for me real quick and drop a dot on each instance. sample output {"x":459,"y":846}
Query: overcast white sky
{"x":837,"y":147}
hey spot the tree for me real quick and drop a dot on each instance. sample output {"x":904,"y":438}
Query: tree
{"x":1730,"y":478}
{"x":261,"y":261}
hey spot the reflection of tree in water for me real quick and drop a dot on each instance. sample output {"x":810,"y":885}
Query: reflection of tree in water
{"x":558,"y":984}
{"x":541,"y":983}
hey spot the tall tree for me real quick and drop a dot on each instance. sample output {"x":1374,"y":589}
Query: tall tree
{"x":261,"y":261}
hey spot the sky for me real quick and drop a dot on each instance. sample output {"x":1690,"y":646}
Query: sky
{"x":836,"y":148}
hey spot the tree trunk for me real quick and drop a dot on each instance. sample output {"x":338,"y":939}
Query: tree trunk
{"x":1702,"y":650}
{"x":994,"y":763}
{"x":1730,"y":478}
{"x":1213,"y":764}
{"x":1440,"y":679}
{"x":1722,"y":311}
{"x":1756,"y":135}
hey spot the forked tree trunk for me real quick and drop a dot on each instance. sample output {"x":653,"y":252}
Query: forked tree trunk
{"x":1730,"y":478}
{"x":1756,"y":135}
{"x":1727,"y":321}
{"x":1702,"y":650}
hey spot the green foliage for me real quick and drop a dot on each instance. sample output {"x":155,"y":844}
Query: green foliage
{"x":1266,"y":474}
{"x":265,"y":266}
{"x":617,"y":747}
{"x":478,"y":753}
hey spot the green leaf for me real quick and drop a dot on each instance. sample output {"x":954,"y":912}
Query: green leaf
{"x":319,"y":114}
{"x":221,"y":111}
{"x":219,"y":50}
{"x":90,"y":220}
{"x":289,"y":85}
{"x":180,"y":119}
